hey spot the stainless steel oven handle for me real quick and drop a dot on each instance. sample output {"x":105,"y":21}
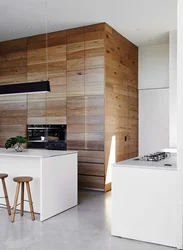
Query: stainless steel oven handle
{"x":37,"y":128}
{"x":37,"y":141}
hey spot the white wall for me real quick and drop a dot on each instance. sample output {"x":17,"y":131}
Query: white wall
{"x":154,"y":66}
{"x":153,"y":79}
{"x":173,"y":88}
{"x":179,"y":204}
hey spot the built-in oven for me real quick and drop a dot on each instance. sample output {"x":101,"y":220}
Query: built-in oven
{"x":47,"y":136}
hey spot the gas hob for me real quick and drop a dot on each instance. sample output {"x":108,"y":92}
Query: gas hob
{"x":158,"y":156}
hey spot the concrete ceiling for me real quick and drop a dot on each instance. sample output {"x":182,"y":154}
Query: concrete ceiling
{"x":141,"y":21}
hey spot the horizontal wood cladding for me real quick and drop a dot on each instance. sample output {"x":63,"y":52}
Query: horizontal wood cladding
{"x":13,"y":117}
{"x":85,"y":80}
{"x":75,"y":83}
{"x":88,"y":181}
{"x":13,"y":61}
{"x":93,"y":74}
{"x":121,"y":99}
{"x":94,"y":169}
{"x":94,"y":81}
{"x":89,"y":156}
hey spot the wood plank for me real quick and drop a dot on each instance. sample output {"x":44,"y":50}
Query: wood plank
{"x":75,"y":106}
{"x":95,"y":182}
{"x":91,"y":169}
{"x":95,"y":27}
{"x":57,"y":38}
{"x":75,"y":83}
{"x":94,"y":145}
{"x":13,"y":46}
{"x":94,"y":62}
{"x":121,"y":93}
{"x":36,"y":42}
{"x":91,"y":156}
{"x":75,"y":35}
{"x":57,"y":86}
{"x":57,"y":53}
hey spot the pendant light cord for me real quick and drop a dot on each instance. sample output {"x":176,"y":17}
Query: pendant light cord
{"x":46,"y":26}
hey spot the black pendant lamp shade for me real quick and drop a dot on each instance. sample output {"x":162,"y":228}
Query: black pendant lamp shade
{"x":25,"y":88}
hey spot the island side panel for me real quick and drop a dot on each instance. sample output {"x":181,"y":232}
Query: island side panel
{"x":144,"y":205}
{"x":21,"y":166}
{"x":59,"y":184}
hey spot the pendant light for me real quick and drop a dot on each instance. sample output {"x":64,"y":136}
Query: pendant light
{"x":25,"y":88}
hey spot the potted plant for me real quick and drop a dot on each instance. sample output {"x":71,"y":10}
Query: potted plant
{"x":16,"y":142}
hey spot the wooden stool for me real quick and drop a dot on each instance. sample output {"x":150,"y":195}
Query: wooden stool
{"x":22,"y":180}
{"x":2,"y":177}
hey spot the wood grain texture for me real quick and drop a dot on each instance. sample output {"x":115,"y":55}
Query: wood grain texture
{"x":94,"y":182}
{"x":90,"y":156}
{"x":93,"y":74}
{"x":13,"y":61}
{"x":121,"y":99}
{"x":91,"y":169}
{"x":76,"y":122}
{"x":75,"y":83}
{"x":75,"y":49}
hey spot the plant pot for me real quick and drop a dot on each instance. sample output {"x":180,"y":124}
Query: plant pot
{"x":19,"y":147}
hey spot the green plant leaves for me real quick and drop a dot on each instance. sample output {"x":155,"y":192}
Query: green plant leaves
{"x":21,"y":139}
{"x":14,"y":140}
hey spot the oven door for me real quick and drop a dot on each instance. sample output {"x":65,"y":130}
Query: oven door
{"x":56,"y":137}
{"x":37,"y":137}
{"x":56,"y":133}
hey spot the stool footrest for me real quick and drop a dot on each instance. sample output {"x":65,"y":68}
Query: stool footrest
{"x":1,"y":204}
{"x":20,"y":203}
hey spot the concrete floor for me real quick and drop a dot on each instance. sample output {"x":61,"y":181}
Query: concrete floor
{"x":85,"y":227}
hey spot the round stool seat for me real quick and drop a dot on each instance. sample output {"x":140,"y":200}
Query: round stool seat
{"x":22,"y":179}
{"x":2,"y":176}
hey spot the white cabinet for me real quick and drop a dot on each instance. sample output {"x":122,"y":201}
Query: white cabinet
{"x":154,"y":66}
{"x":153,"y":120}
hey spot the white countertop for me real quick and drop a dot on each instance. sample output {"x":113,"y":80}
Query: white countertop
{"x":150,"y":164}
{"x":34,"y":153}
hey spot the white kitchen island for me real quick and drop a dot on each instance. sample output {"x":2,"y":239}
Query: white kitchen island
{"x":144,"y":201}
{"x":54,"y":187}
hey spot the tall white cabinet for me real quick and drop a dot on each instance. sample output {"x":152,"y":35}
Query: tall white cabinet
{"x":153,"y":120}
{"x":154,"y":98}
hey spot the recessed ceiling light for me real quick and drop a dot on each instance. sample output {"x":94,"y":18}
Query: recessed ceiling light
{"x":10,"y":30}
{"x":28,"y":26}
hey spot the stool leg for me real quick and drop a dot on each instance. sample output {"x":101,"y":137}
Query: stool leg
{"x":6,"y":196}
{"x":30,"y":201}
{"x":22,"y":199}
{"x":15,"y":202}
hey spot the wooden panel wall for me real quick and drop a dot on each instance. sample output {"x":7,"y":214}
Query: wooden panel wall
{"x":121,"y":100}
{"x":47,"y":62}
{"x":93,"y":76}
{"x":85,"y":101}
{"x":57,"y":63}
{"x":13,"y":69}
